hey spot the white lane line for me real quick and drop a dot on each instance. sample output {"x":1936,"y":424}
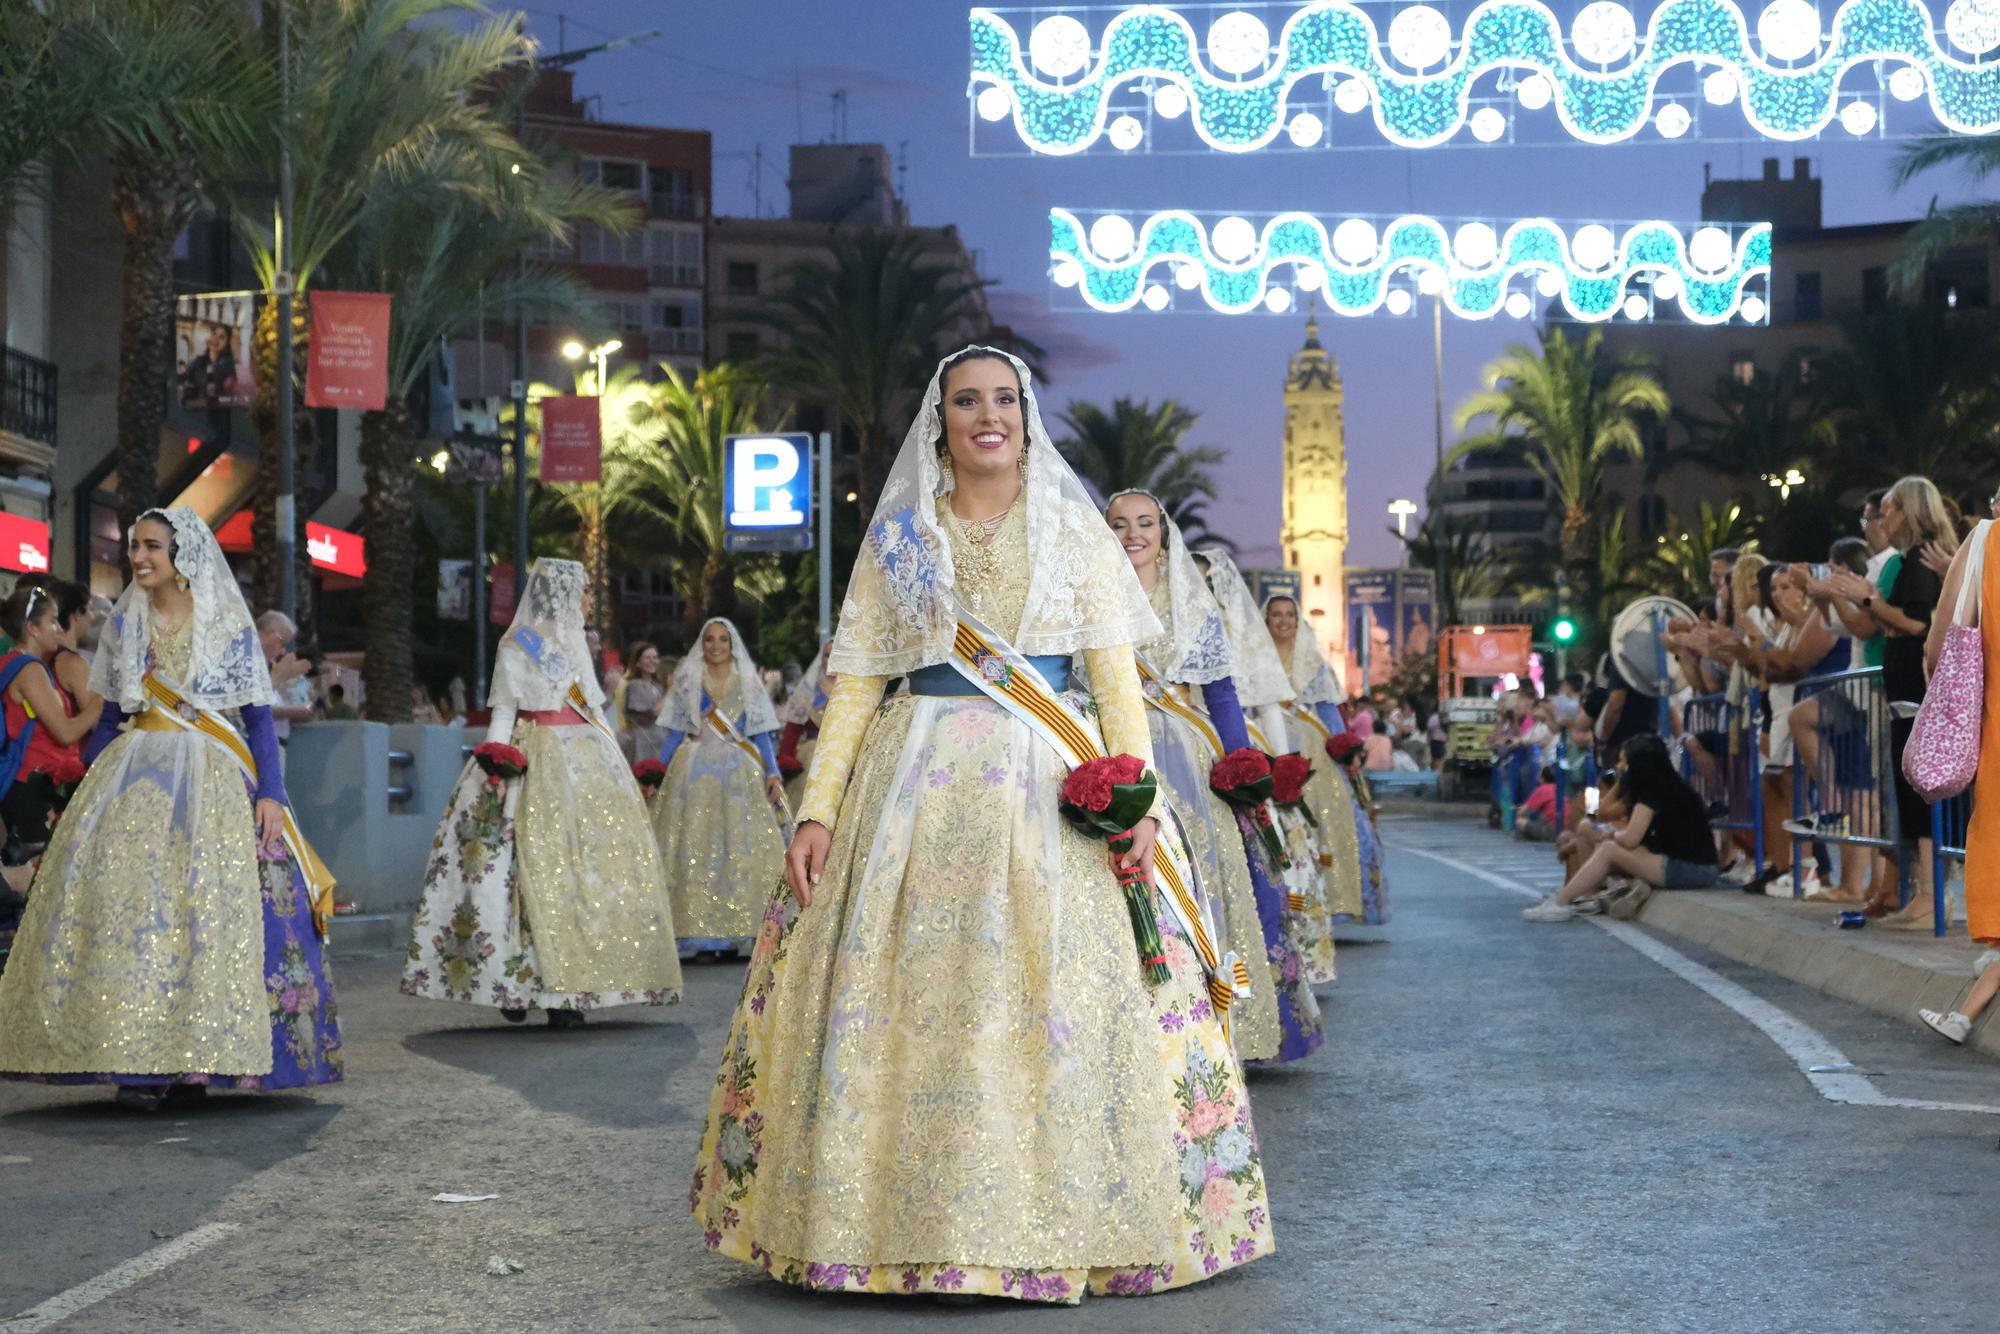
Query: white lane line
{"x":1804,"y":1044}
{"x":116,"y":1279}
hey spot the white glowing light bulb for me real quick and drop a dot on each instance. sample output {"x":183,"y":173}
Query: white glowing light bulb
{"x":1305,"y":129}
{"x":1156,"y":297}
{"x":1351,"y":96}
{"x":1278,"y":300}
{"x":1907,"y":84}
{"x":1420,"y":37}
{"x":1488,"y":124}
{"x":1719,"y":89}
{"x":1858,"y":118}
{"x":1112,"y":237}
{"x":1518,"y":305}
{"x":1667,"y":287}
{"x":1126,"y":133}
{"x":1604,"y":32}
{"x":1476,"y":245}
{"x":1429,"y":281}
{"x":1310,"y":277}
{"x":1788,"y":29}
{"x":1234,"y":239}
{"x":993,"y":102}
{"x":1673,"y":120}
{"x":1354,"y":241}
{"x":1548,"y":282}
{"x":1710,"y":249}
{"x":1398,"y":301}
{"x":1593,"y":247}
{"x":1068,"y":273}
{"x":1170,"y":101}
{"x":1535,"y":91}
{"x":1059,"y":46}
{"x":1635,"y":307}
{"x":1238,"y":42}
{"x":1187,"y":277}
{"x":1753,"y":309}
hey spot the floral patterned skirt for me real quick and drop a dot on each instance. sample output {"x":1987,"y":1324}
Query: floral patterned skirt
{"x":720,"y":842}
{"x":948,"y":1074}
{"x":565,"y":849}
{"x":158,"y":947}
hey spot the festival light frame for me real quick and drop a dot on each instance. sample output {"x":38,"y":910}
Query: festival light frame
{"x":1358,"y":268}
{"x":1251,"y":107}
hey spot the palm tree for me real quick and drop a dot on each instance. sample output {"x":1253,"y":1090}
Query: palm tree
{"x":442,"y":248}
{"x":1945,"y":229}
{"x":166,"y":92}
{"x":1137,"y":445}
{"x":1918,"y":391}
{"x":1680,"y":564}
{"x":862,"y":330}
{"x":1463,"y":568}
{"x":676,"y":462}
{"x":376,"y":86}
{"x":1568,"y":411}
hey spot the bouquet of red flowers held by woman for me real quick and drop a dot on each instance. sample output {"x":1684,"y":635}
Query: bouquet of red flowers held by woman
{"x":1108,"y":797}
{"x":62,"y":776}
{"x":1244,"y":779}
{"x":650,"y":773}
{"x":1288,"y":784}
{"x":500,"y":762}
{"x":1342,"y":747}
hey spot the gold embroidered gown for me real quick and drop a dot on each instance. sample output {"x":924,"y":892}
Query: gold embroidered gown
{"x":159,"y":946}
{"x":546,"y":893}
{"x":947,"y":1074}
{"x":720,"y":839}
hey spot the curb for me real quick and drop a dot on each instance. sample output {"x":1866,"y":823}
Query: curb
{"x":1891,"y":973}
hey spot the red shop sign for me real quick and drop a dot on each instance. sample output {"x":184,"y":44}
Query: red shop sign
{"x":337,"y":549}
{"x":348,"y":362}
{"x":24,"y":544}
{"x":570,"y":438}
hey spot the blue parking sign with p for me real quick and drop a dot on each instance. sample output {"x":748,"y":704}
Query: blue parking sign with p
{"x":767,"y":492}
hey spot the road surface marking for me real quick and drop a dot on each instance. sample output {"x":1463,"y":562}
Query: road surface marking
{"x":1805,"y":1045}
{"x":116,"y":1279}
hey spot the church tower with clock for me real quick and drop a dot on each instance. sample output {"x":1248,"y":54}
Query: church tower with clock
{"x":1314,"y":527}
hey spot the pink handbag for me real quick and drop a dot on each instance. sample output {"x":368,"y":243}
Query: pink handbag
{"x":1943,"y":752}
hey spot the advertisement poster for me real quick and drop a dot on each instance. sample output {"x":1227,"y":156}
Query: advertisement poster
{"x":213,"y":367}
{"x":1417,"y":635}
{"x":570,"y":438}
{"x":454,"y":590}
{"x":500,"y":593}
{"x":347,"y":365}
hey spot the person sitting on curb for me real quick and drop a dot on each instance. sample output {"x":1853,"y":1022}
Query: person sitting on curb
{"x":1667,"y":844}
{"x":1587,"y":829}
{"x":1536,"y":822}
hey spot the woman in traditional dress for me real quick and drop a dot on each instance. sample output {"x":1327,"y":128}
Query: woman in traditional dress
{"x":1191,"y":730}
{"x":544,"y":891}
{"x":1367,"y":840}
{"x":718,"y":815}
{"x":640,"y":696}
{"x":173,"y":941}
{"x":801,"y":715}
{"x":1312,"y":719}
{"x":948,"y":1072}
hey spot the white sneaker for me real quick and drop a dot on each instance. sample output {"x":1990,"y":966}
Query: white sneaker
{"x":1954,"y":1025}
{"x":1741,"y":872}
{"x":1548,"y":910}
{"x":1986,"y":961}
{"x":1781,"y":888}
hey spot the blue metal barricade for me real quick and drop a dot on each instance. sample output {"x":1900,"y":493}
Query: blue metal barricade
{"x":1843,"y":772}
{"x":1948,"y":820}
{"x":1727,"y":782}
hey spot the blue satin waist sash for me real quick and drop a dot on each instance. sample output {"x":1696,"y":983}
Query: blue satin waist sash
{"x":945,"y":679}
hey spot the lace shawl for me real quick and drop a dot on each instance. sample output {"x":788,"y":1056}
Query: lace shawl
{"x":799,"y":704}
{"x":683,"y":711}
{"x":1260,"y":672}
{"x":1311,"y":677}
{"x":545,"y":649}
{"x":226,"y":667}
{"x":900,"y":611}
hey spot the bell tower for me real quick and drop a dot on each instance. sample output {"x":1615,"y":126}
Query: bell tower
{"x":1314,"y":526}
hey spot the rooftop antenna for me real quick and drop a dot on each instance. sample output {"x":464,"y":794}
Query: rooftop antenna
{"x":903,"y":177}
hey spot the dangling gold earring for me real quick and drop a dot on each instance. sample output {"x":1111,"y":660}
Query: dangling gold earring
{"x":1021,"y":464}
{"x":182,"y":582}
{"x":944,"y":470}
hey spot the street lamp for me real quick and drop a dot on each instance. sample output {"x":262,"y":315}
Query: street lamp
{"x":1402,"y":509}
{"x":597,"y":356}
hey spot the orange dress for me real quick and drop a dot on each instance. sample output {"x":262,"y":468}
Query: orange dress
{"x":1982,"y":835}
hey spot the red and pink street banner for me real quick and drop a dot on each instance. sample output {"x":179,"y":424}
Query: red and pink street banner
{"x":348,"y":362}
{"x":571,"y":440}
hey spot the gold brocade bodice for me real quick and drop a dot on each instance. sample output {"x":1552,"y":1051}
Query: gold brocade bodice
{"x":728,"y":701}
{"x":172,"y":646}
{"x":992,"y":577}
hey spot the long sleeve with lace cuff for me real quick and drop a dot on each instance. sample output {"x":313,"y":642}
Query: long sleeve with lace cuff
{"x":849,"y":709}
{"x":263,"y":739}
{"x":1226,"y":713}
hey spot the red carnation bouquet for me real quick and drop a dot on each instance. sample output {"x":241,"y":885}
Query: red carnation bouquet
{"x":61,"y":777}
{"x":650,"y":773}
{"x":1108,"y":797}
{"x":1288,"y":784}
{"x":1244,"y":779}
{"x":1342,"y":747}
{"x":500,"y":762}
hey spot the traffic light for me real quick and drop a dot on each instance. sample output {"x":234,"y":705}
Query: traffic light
{"x":1564,"y":630}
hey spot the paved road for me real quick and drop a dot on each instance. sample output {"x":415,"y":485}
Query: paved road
{"x":1510,"y":1128}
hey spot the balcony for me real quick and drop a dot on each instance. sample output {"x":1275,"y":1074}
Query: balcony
{"x":686,"y":342}
{"x":28,"y":398}
{"x":674,"y":275}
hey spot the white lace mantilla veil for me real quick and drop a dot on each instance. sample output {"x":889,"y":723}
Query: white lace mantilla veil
{"x":1311,"y":677}
{"x":1194,"y":650}
{"x":226,"y":667}
{"x":900,"y":611}
{"x":1260,"y":672}
{"x":545,"y":649}
{"x":683,"y":713}
{"x":799,"y":704}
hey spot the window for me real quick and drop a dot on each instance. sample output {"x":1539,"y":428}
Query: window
{"x":1805,"y":296}
{"x":1743,"y":368}
{"x":1315,"y":585}
{"x":740,"y":278}
{"x":629,"y":315}
{"x":1874,"y":290}
{"x":615,"y":175}
{"x":594,"y":245}
{"x":741,"y":345}
{"x":673,"y":254}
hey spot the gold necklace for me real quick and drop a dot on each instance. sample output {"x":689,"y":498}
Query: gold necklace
{"x":981,"y":560}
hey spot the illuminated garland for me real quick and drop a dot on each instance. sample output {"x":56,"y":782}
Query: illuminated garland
{"x":1238,"y":267}
{"x":1418,"y":81}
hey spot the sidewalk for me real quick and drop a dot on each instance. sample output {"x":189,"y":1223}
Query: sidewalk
{"x":1893,"y":972}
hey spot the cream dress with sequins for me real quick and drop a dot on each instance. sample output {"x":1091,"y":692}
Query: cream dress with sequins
{"x":947,"y":1075}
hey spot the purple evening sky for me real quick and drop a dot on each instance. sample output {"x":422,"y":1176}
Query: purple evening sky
{"x":728,"y":66}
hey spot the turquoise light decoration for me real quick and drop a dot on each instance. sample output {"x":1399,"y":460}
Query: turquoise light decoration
{"x":1336,"y":39}
{"x":1649,"y":262}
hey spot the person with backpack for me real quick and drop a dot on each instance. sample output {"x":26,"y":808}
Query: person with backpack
{"x":45,"y":726}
